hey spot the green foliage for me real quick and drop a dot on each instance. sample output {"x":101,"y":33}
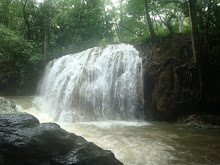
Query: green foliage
{"x":11,"y":14}
{"x":17,"y":56}
{"x":80,"y":25}
{"x":160,"y":11}
{"x":59,"y":27}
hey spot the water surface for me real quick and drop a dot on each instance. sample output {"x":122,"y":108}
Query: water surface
{"x":141,"y":143}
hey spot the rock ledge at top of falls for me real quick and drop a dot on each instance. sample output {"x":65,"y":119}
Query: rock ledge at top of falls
{"x":24,"y":141}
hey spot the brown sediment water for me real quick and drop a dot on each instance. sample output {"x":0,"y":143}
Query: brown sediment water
{"x":141,"y":142}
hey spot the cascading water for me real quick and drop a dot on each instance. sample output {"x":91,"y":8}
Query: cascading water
{"x":94,"y":85}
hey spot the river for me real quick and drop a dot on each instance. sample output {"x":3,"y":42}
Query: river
{"x":142,"y":142}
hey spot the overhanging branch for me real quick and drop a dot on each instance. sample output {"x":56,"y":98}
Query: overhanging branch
{"x":128,"y":29}
{"x":175,"y":2}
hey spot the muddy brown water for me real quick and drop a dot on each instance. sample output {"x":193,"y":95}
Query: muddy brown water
{"x":141,"y":142}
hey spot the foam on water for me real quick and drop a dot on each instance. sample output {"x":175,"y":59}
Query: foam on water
{"x":41,"y":116}
{"x":126,"y":139}
{"x":109,"y":124}
{"x":141,"y":143}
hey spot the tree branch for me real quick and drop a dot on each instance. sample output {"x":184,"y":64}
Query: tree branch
{"x":167,"y":24}
{"x":150,"y":25}
{"x":128,"y":29}
{"x":25,"y":19}
{"x":175,"y":2}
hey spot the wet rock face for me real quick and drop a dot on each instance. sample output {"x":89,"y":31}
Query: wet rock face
{"x":171,"y":78}
{"x":24,"y":141}
{"x":161,"y":92}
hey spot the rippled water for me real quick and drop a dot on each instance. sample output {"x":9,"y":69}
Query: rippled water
{"x":141,"y":143}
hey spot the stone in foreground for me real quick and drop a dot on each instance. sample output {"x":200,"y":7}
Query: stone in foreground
{"x":24,"y":141}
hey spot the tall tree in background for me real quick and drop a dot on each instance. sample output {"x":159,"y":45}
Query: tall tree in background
{"x":150,"y":25}
{"x":26,"y":19}
{"x":199,"y":57}
{"x":48,"y":14}
{"x":194,"y":29}
{"x":121,"y":21}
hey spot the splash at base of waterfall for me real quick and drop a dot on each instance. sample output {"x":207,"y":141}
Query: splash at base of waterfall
{"x":94,"y":85}
{"x":141,"y":143}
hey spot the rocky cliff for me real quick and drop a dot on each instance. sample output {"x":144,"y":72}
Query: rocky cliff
{"x":171,"y":83}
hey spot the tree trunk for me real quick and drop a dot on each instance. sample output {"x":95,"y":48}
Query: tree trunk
{"x":79,"y":20}
{"x":205,"y":55}
{"x":156,"y":24}
{"x":45,"y":34}
{"x":217,"y":15}
{"x":49,"y":49}
{"x":180,"y":18}
{"x":121,"y":21}
{"x":26,"y":20}
{"x":198,"y":56}
{"x":122,"y":26}
{"x":194,"y":30}
{"x":168,"y":25}
{"x":150,"y":25}
{"x":207,"y":21}
{"x":200,"y":19}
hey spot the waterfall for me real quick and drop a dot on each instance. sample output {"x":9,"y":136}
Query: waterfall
{"x":101,"y":83}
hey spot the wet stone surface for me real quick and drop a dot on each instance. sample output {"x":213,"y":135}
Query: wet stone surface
{"x":23,"y":140}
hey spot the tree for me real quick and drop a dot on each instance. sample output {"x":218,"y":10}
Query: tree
{"x":82,"y":24}
{"x":199,"y":57}
{"x":48,"y":11}
{"x":194,"y":29}
{"x":18,"y":57}
{"x":120,"y":34}
{"x":150,"y":25}
{"x":26,"y":19}
{"x":141,"y":16}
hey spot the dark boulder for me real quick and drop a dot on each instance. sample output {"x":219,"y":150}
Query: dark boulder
{"x":24,"y":141}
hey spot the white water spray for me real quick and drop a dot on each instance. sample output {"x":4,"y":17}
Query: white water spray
{"x":94,"y":85}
